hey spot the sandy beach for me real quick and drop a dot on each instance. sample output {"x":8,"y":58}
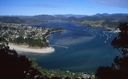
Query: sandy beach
{"x":21,"y":49}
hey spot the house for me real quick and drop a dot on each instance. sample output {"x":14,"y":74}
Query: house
{"x":87,"y":76}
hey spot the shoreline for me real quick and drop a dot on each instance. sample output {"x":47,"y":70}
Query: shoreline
{"x":22,"y":49}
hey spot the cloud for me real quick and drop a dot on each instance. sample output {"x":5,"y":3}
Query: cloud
{"x":116,"y":3}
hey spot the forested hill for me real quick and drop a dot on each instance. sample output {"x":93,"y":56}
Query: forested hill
{"x":8,"y":19}
{"x":49,"y":17}
{"x":107,"y":21}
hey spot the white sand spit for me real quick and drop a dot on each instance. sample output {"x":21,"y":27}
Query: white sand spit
{"x":24,"y":49}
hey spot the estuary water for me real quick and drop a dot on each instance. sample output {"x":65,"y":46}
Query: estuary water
{"x":78,"y":48}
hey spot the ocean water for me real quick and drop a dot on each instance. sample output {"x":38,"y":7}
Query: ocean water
{"x":78,"y":48}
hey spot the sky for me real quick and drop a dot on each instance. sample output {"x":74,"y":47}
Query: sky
{"x":53,"y":7}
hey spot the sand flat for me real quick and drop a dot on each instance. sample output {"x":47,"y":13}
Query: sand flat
{"x":21,"y":49}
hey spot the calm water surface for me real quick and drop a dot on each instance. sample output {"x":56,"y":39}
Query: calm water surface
{"x":77,"y":48}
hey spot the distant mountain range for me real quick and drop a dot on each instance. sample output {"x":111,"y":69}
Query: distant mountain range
{"x":60,"y":17}
{"x":98,"y":20}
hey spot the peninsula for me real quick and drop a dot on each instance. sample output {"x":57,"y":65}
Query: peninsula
{"x":25,"y":38}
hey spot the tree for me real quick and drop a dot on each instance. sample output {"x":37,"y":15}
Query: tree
{"x":121,"y":42}
{"x":13,"y":66}
{"x":118,"y":69}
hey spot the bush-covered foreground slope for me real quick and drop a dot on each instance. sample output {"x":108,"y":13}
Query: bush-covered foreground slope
{"x":14,"y":66}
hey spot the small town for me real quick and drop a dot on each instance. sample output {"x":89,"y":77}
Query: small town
{"x":20,"y":32}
